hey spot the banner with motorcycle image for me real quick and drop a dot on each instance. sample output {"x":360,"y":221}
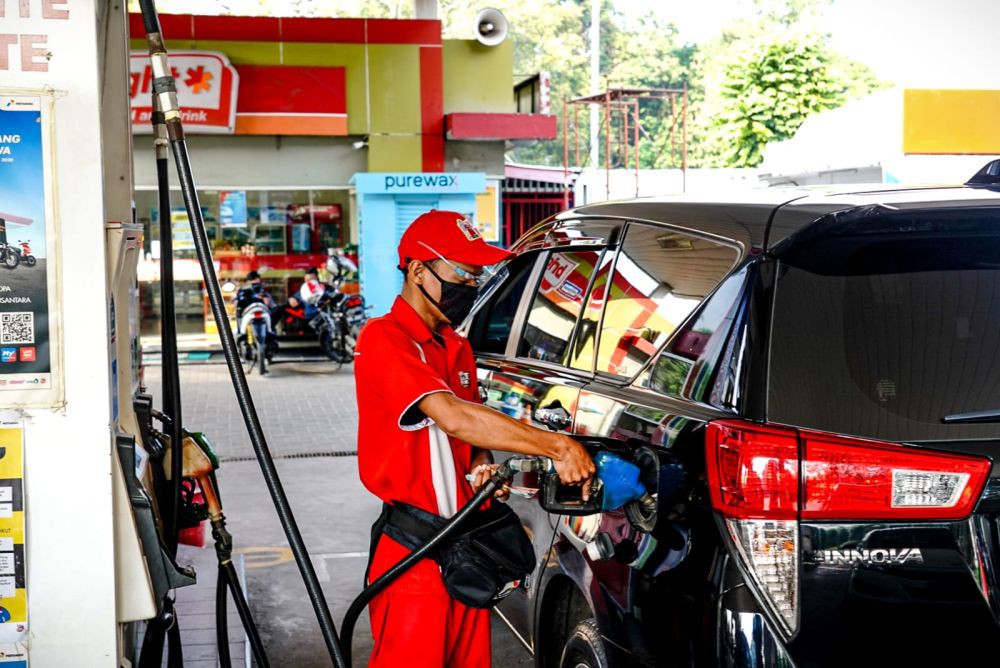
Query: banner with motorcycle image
{"x":26,"y":357}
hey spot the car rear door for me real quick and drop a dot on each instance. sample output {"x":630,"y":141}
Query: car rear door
{"x":662,"y":320}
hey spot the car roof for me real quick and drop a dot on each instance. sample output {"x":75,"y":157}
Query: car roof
{"x":762,"y":218}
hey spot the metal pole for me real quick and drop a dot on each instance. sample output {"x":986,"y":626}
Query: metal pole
{"x":625,"y":137}
{"x":565,"y":120}
{"x":684,"y":144}
{"x":576,"y":135}
{"x":607,"y":144}
{"x":635,"y":131}
{"x":595,"y":76}
{"x":165,"y":88}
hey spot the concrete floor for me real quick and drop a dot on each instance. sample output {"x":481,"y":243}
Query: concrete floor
{"x":308,"y":413}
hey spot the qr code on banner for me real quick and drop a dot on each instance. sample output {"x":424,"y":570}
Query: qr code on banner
{"x":17,"y":328}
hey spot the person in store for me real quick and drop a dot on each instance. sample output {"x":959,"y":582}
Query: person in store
{"x":422,"y":429}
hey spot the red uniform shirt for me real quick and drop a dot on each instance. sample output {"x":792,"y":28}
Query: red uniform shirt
{"x":402,"y":454}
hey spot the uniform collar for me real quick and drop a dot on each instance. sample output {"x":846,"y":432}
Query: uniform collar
{"x":414,"y":325}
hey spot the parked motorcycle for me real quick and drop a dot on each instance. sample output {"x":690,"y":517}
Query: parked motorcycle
{"x":254,"y":334}
{"x":10,"y":257}
{"x":25,"y":252}
{"x":336,"y":319}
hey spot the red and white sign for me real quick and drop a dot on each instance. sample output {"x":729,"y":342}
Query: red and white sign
{"x":207,"y":86}
{"x":556,"y":271}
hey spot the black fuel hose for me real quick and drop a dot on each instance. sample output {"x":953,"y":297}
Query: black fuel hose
{"x":221,"y":619}
{"x":496,"y":481}
{"x":168,"y":333}
{"x":165,"y":87}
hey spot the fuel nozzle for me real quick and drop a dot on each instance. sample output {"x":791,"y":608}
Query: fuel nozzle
{"x":617,"y":483}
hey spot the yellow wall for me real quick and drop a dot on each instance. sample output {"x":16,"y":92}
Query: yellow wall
{"x":395,"y":153}
{"x":477,"y":78}
{"x":951,"y":121}
{"x":395,"y":87}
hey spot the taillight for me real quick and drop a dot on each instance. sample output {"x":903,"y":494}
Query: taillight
{"x":860,"y":480}
{"x":258,"y":314}
{"x":758,"y":474}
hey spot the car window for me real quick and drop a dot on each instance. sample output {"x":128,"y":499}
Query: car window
{"x":492,"y":324}
{"x":882,"y":328}
{"x":684,"y":368}
{"x":556,"y":305}
{"x":660,"y":277}
{"x":585,"y":343}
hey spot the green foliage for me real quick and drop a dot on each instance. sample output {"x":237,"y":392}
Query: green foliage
{"x":756,"y":82}
{"x":769,"y":92}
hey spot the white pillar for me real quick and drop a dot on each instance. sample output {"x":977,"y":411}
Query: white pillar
{"x":68,"y":446}
{"x":425,"y":9}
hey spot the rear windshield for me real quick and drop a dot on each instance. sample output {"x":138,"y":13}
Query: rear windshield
{"x":883,"y":327}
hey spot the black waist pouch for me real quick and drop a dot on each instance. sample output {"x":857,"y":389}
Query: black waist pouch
{"x":487,"y":558}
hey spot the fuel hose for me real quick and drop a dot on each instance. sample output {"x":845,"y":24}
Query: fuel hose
{"x":496,"y":481}
{"x":165,"y":90}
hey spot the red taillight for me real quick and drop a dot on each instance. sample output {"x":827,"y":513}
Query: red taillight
{"x":856,"y":479}
{"x":258,"y":314}
{"x":753,"y":473}
{"x":354,"y":301}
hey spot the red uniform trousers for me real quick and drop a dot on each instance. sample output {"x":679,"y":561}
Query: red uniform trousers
{"x":427,"y":627}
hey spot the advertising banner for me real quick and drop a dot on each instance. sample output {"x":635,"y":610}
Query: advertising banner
{"x":25,"y":353}
{"x":207,"y":86}
{"x":13,"y":594}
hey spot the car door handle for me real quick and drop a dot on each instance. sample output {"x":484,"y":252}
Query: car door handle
{"x":553,"y":416}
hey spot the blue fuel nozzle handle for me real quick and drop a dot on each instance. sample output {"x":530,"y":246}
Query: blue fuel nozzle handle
{"x":620,"y":480}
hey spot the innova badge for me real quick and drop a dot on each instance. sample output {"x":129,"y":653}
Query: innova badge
{"x":869,"y":557}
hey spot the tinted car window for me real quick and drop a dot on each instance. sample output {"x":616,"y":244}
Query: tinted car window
{"x":660,"y":277}
{"x":686,"y":365}
{"x":557,"y":304}
{"x":492,"y":324}
{"x":882,"y":332}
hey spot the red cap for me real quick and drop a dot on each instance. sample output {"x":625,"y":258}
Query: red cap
{"x":449,"y":235}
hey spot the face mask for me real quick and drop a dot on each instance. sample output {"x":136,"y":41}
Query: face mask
{"x":456,"y":300}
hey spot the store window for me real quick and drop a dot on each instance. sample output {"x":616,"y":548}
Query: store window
{"x":277,"y":231}
{"x":259,"y":222}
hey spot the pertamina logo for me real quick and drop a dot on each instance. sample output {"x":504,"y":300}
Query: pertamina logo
{"x":468,"y":229}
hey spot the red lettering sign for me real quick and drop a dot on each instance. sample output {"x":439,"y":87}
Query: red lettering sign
{"x":207,"y":86}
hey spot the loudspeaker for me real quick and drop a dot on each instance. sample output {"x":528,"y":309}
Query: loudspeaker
{"x":490,"y":27}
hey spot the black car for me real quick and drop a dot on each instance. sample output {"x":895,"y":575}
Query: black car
{"x":810,"y":383}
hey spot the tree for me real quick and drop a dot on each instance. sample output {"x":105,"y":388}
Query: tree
{"x":768,"y":93}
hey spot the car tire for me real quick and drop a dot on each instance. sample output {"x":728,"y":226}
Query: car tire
{"x":584,"y":648}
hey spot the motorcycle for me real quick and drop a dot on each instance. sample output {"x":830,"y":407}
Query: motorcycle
{"x":336,"y":319}
{"x":10,"y":257}
{"x":254,"y":333}
{"x":25,"y":253}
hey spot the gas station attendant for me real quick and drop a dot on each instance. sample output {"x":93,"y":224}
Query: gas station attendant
{"x":419,"y":414}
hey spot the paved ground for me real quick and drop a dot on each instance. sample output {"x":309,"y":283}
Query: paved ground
{"x":309,"y":418}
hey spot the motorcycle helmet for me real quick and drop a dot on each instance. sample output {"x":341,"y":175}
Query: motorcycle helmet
{"x":311,"y":292}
